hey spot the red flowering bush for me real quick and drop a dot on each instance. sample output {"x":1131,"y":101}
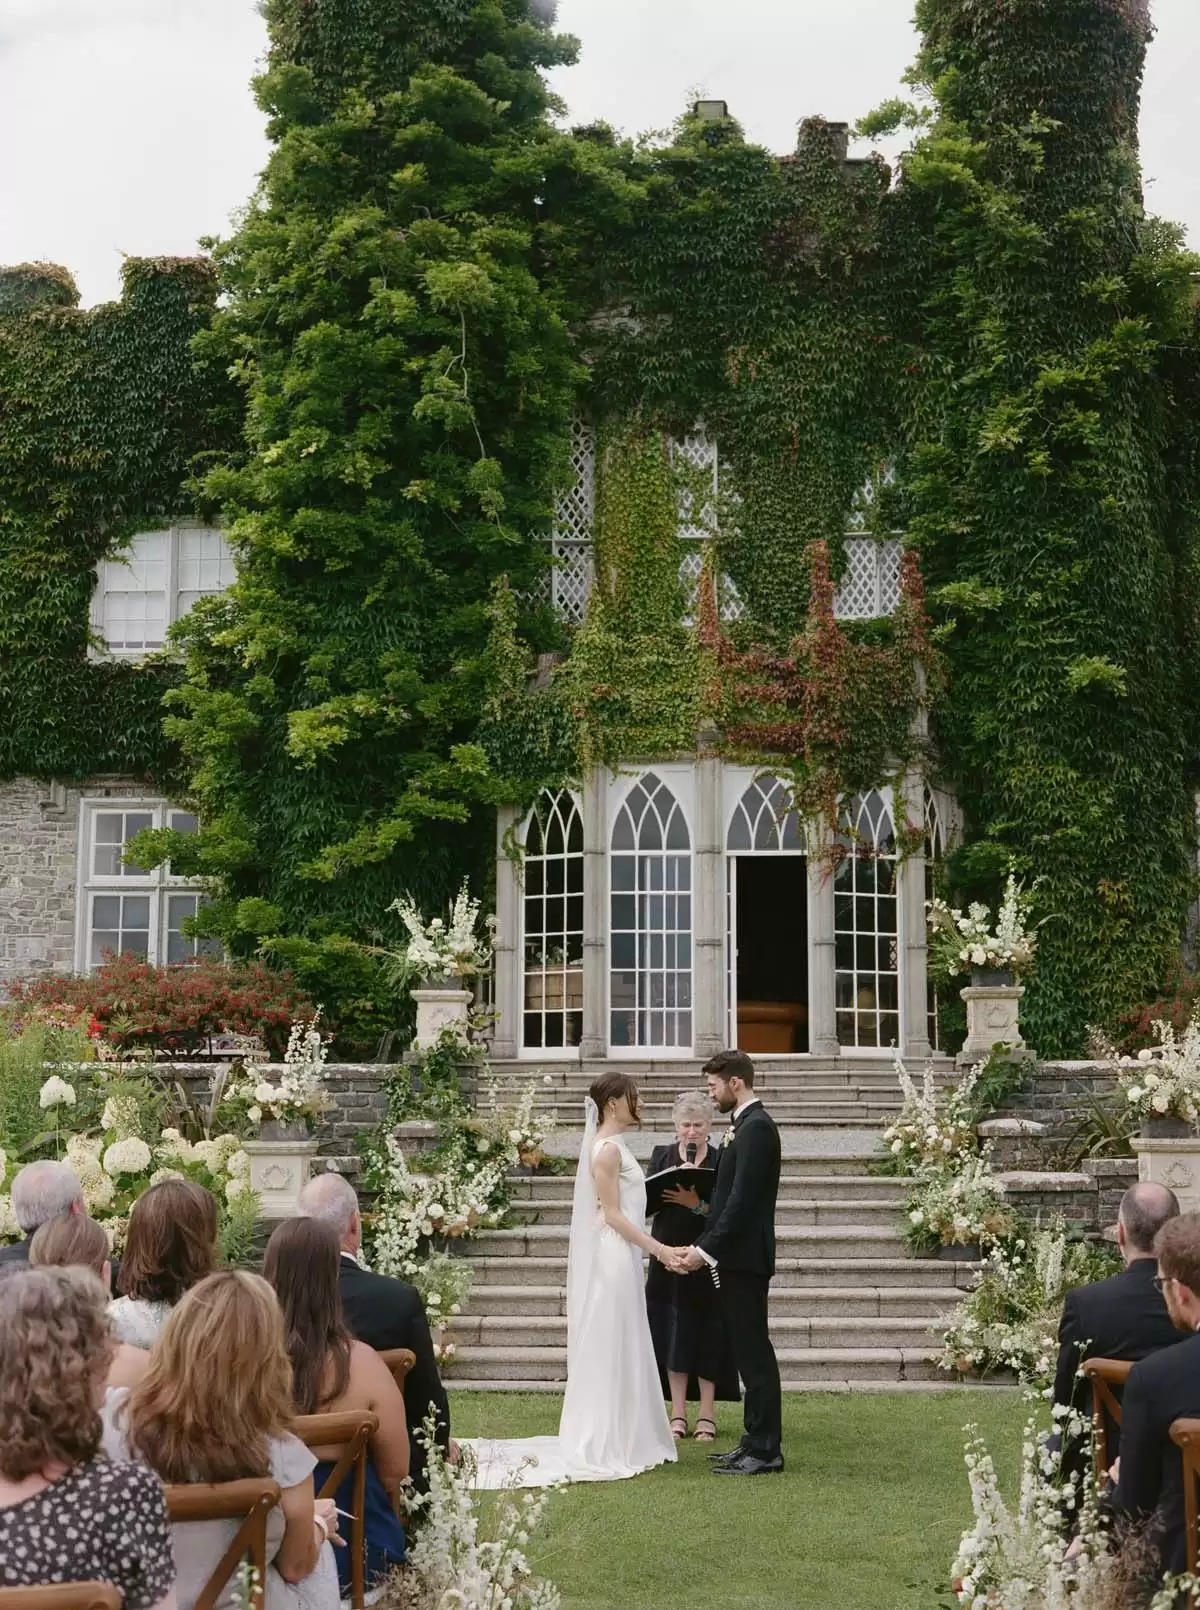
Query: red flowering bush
{"x":139,"y":1007}
{"x":1176,"y":1005}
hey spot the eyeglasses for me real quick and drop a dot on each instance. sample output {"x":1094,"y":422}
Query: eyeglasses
{"x":1160,"y":1281}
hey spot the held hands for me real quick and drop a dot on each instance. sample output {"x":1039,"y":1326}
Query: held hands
{"x":672,"y":1259}
{"x":691,"y":1260}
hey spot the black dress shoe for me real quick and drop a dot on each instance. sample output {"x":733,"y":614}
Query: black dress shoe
{"x":748,"y":1464}
{"x":727,"y":1457}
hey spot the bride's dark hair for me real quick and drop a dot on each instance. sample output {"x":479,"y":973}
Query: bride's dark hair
{"x":611,"y":1087}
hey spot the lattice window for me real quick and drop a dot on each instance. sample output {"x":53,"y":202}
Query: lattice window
{"x":553,"y":923}
{"x":864,"y":500}
{"x":154,"y":582}
{"x":697,"y":459}
{"x":574,"y":519}
{"x":865,"y":924}
{"x":650,"y":988}
{"x":128,"y":909}
{"x":764,"y":819}
{"x":870,"y":585}
{"x":935,"y":851}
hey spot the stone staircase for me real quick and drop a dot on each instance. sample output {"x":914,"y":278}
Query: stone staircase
{"x":850,"y":1309}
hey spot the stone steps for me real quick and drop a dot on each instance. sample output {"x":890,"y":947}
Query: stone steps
{"x":810,"y":1242}
{"x":788,"y":1331}
{"x":794,"y":1180}
{"x":927,"y":1303}
{"x":541,"y":1269}
{"x":789,"y":1211}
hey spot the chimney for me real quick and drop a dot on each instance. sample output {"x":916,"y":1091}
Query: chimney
{"x":711,"y":111}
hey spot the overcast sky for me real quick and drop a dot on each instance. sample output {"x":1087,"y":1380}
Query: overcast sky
{"x":128,"y":126}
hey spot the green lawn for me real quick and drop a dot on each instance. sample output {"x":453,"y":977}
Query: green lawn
{"x":866,"y":1517}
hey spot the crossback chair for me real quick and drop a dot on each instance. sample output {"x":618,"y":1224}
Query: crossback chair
{"x":1186,"y":1436}
{"x":399,"y":1360}
{"x":62,"y":1596}
{"x":345,"y":1439}
{"x":1103,"y":1374}
{"x":250,"y":1500}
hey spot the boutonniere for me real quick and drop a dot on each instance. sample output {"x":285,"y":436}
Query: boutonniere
{"x":727,"y":1139}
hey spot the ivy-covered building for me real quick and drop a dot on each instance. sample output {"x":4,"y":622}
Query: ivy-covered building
{"x":756,"y":534}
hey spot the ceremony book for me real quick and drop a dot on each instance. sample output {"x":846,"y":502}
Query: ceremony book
{"x":700,"y":1179}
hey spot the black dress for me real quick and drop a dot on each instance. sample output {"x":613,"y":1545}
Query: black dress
{"x":684,"y":1310}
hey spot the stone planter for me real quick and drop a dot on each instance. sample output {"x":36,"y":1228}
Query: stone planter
{"x":990,"y":977}
{"x":993,"y":1018}
{"x":439,"y":1009}
{"x":1165,"y":1128}
{"x":1173,"y":1161}
{"x":279,"y":1171}
{"x":278,"y":1129}
{"x":962,"y":1252}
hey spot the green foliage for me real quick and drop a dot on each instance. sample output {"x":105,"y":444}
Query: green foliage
{"x":398,"y":304}
{"x":1048,"y":478}
{"x":103,"y":413}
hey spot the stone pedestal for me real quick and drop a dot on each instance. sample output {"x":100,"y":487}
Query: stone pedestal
{"x":279,"y":1171}
{"x":1173,"y":1162}
{"x":993,"y":1018}
{"x":438,"y":1010}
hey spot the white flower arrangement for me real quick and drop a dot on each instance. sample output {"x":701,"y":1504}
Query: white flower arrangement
{"x":438,"y":949}
{"x":1163,"y":1081}
{"x":56,"y":1093}
{"x":960,"y":941}
{"x":453,"y":1564}
{"x":931,"y":1127}
{"x":960,"y":1206}
{"x":297,"y":1096}
{"x":128,"y":1156}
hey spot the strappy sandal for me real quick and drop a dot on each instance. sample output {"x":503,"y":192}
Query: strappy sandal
{"x":705,"y":1436}
{"x":675,"y":1431}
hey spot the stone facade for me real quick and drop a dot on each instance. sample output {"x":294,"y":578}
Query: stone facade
{"x":39,"y":857}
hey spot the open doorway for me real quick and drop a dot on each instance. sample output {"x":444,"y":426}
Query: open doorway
{"x":769,"y":964}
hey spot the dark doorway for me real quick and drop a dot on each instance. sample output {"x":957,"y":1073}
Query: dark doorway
{"x":771,"y":963}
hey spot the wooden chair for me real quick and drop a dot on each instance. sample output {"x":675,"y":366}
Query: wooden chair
{"x":345,"y":1439}
{"x":1103,"y":1374}
{"x":250,"y":1501}
{"x":62,"y":1596}
{"x":1186,"y":1436}
{"x":399,"y":1360}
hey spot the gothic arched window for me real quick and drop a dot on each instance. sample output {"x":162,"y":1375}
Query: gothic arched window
{"x":865,"y":924}
{"x":650,"y":996}
{"x":553,"y":922}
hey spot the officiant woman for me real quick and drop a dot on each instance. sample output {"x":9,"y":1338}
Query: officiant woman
{"x":690,"y":1343}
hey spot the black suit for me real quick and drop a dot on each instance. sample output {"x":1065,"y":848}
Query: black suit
{"x":17,"y":1252}
{"x":741,"y":1237}
{"x":1160,"y":1389}
{"x":389,"y":1313}
{"x":1122,"y":1317}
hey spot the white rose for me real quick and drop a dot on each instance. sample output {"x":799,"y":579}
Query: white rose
{"x":434,"y":1300}
{"x":436,"y":1210}
{"x":897,"y":1145}
{"x":56,"y":1092}
{"x":1161,"y":1101}
{"x":514,"y":1135}
{"x":1151,"y":1080}
{"x":254,"y":1114}
{"x":1145,"y":1055}
{"x":265,"y":1091}
{"x":1135,"y":1093}
{"x":979,"y":957}
{"x":128,"y":1156}
{"x":916,"y":1216}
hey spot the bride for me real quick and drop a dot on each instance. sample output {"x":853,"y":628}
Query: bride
{"x":614,"y":1422}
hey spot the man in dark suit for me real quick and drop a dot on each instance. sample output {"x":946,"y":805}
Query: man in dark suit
{"x":40,"y":1192}
{"x":1122,"y":1317}
{"x":1162,"y":1388}
{"x":739,"y":1247}
{"x":383,"y":1313}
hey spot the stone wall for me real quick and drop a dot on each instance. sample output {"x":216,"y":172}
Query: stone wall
{"x":39,"y":851}
{"x":1089,"y":1196}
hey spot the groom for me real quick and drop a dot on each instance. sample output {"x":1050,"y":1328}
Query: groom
{"x":739,"y":1245}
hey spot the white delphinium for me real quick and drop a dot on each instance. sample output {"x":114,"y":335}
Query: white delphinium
{"x":56,"y":1092}
{"x":930,"y":1128}
{"x":1165,"y":1081}
{"x":437,"y":949}
{"x":128,"y":1156}
{"x":299,"y":1093}
{"x":3,"y":1165}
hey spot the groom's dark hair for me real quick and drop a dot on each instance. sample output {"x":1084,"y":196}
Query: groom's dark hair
{"x":729,"y":1065}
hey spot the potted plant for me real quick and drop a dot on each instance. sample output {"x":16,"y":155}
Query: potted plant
{"x":282,"y":1112}
{"x":439,"y":957}
{"x":1161,"y":1089}
{"x":957,"y":1209}
{"x":965,"y":942}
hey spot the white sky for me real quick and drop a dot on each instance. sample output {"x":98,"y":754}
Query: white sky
{"x":128,"y":126}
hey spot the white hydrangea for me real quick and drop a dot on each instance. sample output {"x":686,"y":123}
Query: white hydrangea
{"x":173,"y":1148}
{"x":238,"y":1166}
{"x":3,"y":1163}
{"x":161,"y":1174}
{"x":9,"y":1228}
{"x":121,"y":1116}
{"x":128,"y":1156}
{"x":215,"y":1152}
{"x":98,"y":1190}
{"x":83,"y":1151}
{"x":235,"y":1187}
{"x":56,"y":1092}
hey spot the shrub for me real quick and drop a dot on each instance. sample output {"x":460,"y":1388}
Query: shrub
{"x":1176,"y":1005}
{"x":176,"y":1009}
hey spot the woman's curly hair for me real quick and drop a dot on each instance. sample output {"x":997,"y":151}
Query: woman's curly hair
{"x":55,"y":1350}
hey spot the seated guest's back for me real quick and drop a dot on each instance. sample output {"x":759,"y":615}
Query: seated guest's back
{"x":66,"y":1513}
{"x":171,"y":1243}
{"x":1162,"y":1388}
{"x":75,"y":1241}
{"x":1123,"y":1317}
{"x":215,"y":1405}
{"x":40,"y":1192}
{"x":382,"y":1312}
{"x":332,"y":1373}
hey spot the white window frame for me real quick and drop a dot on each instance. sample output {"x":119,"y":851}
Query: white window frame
{"x":108,"y":573}
{"x":157,"y":885}
{"x":855,"y":1047}
{"x":546,"y":973}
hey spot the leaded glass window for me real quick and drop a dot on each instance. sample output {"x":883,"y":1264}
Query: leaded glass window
{"x":650,"y":988}
{"x":865,"y":924}
{"x":553,"y":923}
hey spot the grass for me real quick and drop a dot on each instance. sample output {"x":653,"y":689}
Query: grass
{"x":867,"y":1515}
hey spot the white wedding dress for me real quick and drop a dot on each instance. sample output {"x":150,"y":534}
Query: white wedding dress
{"x":614,"y":1421}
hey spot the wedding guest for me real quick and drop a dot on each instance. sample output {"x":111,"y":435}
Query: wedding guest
{"x":66,"y":1513}
{"x":40,"y":1192}
{"x":332,"y":1372}
{"x":690,"y":1340}
{"x":384,"y":1313}
{"x":215,"y":1405}
{"x":171,"y":1243}
{"x":1123,"y":1317}
{"x":72,"y":1240}
{"x":1161,"y":1388}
